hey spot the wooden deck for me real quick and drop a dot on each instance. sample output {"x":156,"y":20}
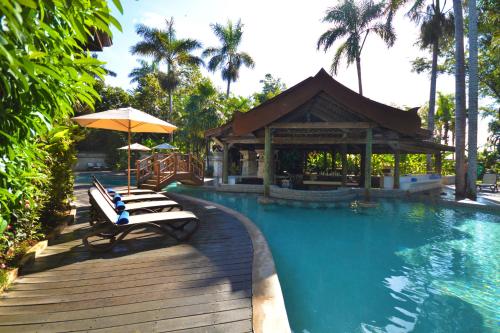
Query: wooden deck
{"x":148,"y":284}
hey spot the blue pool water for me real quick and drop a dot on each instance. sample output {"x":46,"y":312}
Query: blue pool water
{"x":106,"y":178}
{"x":401,"y":267}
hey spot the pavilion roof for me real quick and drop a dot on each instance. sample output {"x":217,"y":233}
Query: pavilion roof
{"x":406,"y":122}
{"x":314,"y":111}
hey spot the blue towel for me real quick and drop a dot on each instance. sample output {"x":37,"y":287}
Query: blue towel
{"x":120,"y":206}
{"x":110,"y":190}
{"x":414,"y":180}
{"x":123,"y":218}
{"x":117,"y":198}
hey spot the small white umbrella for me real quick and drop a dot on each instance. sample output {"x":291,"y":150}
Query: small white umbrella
{"x":135,"y":146}
{"x":126,"y":120}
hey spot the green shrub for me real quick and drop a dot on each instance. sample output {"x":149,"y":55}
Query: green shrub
{"x":45,"y":74}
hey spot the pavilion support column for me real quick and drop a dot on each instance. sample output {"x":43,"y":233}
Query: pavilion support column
{"x":268,"y":163}
{"x":362,"y":166}
{"x":344,"y":166}
{"x":397,"y":159}
{"x":368,"y":163}
{"x":439,"y":163}
{"x":225,"y":163}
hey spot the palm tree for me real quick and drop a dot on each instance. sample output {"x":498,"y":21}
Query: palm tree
{"x":226,"y":57}
{"x":460,"y":116}
{"x":436,"y":25}
{"x":473,"y":96}
{"x":144,"y":69}
{"x":163,"y":46}
{"x":444,"y":114}
{"x":354,"y":22}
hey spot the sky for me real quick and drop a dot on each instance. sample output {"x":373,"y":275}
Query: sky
{"x":281,"y":37}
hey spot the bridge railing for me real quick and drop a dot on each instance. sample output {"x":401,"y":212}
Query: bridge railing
{"x":144,"y":169}
{"x":163,"y":167}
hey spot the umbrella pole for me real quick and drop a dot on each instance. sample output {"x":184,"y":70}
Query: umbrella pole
{"x":129,"y":138}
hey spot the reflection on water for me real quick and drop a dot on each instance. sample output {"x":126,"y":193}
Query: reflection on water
{"x":400,"y":267}
{"x":467,"y":269}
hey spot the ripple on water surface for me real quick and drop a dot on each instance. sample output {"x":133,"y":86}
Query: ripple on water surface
{"x":400,"y":267}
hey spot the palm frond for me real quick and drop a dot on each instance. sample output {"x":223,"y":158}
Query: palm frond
{"x":210,"y":51}
{"x":215,"y":61}
{"x":337,"y":57}
{"x":329,"y":37}
{"x":247,"y":60}
{"x":385,"y":32}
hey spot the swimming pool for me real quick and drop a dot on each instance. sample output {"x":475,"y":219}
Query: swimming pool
{"x":401,"y":267}
{"x":107,"y":178}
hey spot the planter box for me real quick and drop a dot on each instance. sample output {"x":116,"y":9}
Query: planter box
{"x":34,"y":251}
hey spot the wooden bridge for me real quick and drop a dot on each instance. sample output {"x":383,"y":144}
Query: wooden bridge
{"x":158,"y":170}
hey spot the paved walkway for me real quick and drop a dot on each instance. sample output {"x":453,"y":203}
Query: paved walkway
{"x":148,"y":284}
{"x":485,"y":197}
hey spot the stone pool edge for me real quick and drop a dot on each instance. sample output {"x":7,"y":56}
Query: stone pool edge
{"x":268,"y":306}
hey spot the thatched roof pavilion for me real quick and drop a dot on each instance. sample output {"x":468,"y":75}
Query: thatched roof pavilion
{"x":319,"y":113}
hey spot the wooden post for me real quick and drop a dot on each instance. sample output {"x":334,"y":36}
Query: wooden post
{"x":137,"y":173}
{"x":268,"y":163}
{"x":128,"y":173}
{"x":396,"y":169}
{"x":225,"y":163}
{"x":368,"y":163}
{"x":439,"y":163}
{"x":362,"y":166}
{"x":158,"y":175}
{"x":344,"y":166}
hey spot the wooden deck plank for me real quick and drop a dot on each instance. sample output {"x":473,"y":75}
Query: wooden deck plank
{"x":38,"y":317}
{"x":127,"y":275}
{"x":148,"y":283}
{"x":134,"y":317}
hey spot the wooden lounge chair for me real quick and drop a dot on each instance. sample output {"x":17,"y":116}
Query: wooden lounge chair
{"x":121,"y":190}
{"x":489,"y":181}
{"x":133,"y":197}
{"x":136,"y":207}
{"x":170,"y":223}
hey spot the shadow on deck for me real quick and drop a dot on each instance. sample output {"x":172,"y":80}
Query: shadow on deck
{"x":147,"y":283}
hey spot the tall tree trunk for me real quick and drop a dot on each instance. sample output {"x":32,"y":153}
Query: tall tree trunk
{"x":358,"y":67}
{"x":473,"y":92}
{"x":446,"y":131}
{"x":460,"y":116}
{"x":171,"y":105}
{"x":432,"y":98}
{"x":228,"y":87}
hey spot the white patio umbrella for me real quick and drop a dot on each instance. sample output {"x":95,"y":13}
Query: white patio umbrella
{"x":135,"y":146}
{"x":126,"y":120}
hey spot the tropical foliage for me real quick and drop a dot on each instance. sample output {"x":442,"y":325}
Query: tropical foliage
{"x":45,"y":73}
{"x":226,"y":58}
{"x":354,"y":22}
{"x":164,"y":47}
{"x":270,"y":88}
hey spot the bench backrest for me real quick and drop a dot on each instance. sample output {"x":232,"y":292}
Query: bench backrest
{"x":490,"y":178}
{"x":100,"y":203}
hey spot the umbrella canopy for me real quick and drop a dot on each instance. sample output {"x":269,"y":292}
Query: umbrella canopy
{"x":126,"y":120}
{"x":136,"y":146}
{"x":165,"y":146}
